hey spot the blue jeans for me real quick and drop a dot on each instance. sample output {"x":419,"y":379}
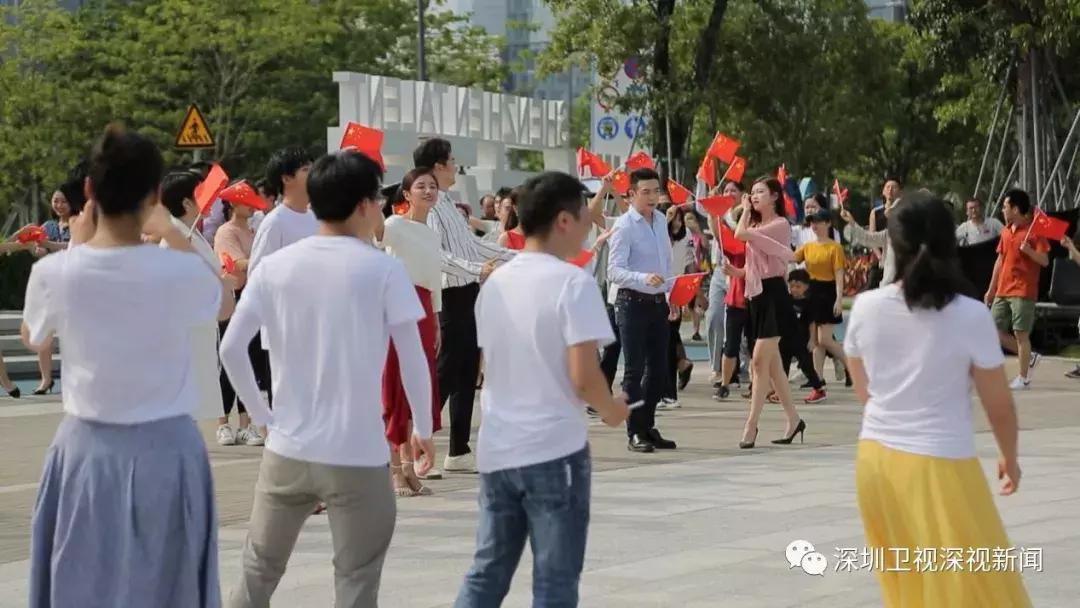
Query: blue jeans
{"x":548,"y":503}
{"x":714,"y":318}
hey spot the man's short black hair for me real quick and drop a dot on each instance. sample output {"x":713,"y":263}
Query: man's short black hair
{"x":503,"y":192}
{"x":340,"y":181}
{"x":799,"y":275}
{"x":642,"y":175}
{"x":1020,"y":200}
{"x":286,"y":161}
{"x":431,"y":152}
{"x":177,"y":186}
{"x":541,"y":198}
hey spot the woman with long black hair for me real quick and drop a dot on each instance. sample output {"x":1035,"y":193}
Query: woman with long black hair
{"x":767,"y":234}
{"x":125,"y":508}
{"x":679,"y":365}
{"x":916,"y":348}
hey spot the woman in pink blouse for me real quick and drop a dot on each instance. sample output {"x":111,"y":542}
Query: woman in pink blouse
{"x":768,"y":252}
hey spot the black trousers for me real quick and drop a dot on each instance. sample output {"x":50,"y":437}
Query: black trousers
{"x":645,"y":334}
{"x":676,"y":352}
{"x":458,"y":363}
{"x":257,"y":355}
{"x":795,"y":348}
{"x":609,"y":355}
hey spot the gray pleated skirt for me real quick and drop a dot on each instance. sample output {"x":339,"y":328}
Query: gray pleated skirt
{"x":125,"y":518}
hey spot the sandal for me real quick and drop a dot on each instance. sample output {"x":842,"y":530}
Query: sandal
{"x":413,"y":480}
{"x":773,"y":397}
{"x":402,"y":487}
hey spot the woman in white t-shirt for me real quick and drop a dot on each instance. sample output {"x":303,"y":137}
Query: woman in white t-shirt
{"x":408,"y":238}
{"x":125,"y":507}
{"x":915,"y":349}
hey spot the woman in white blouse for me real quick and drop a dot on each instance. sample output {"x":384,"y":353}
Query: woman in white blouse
{"x":125,"y":508}
{"x":915,"y":349}
{"x":408,"y":238}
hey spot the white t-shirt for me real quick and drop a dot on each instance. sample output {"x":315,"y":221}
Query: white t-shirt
{"x":919,"y":365}
{"x":968,"y":233}
{"x":281,"y":227}
{"x":204,"y":337}
{"x":125,"y":316}
{"x":680,"y":254}
{"x":417,"y":246}
{"x":530,"y":410}
{"x":328,"y":305}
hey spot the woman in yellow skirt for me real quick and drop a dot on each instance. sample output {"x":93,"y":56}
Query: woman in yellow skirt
{"x":915,"y":349}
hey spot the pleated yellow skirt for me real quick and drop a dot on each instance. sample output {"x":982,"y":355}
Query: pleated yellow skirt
{"x":918,"y":511}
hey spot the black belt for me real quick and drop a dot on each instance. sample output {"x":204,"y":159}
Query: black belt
{"x":637,"y":296}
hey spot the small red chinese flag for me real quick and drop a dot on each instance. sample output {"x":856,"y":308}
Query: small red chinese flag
{"x":31,"y":234}
{"x":1050,"y":228}
{"x":736,"y":170}
{"x":581,"y":259}
{"x":789,"y":203}
{"x":678,"y":193}
{"x":685,"y":288}
{"x":728,"y":242}
{"x":841,"y":195}
{"x":717,"y":205}
{"x":621,"y":182}
{"x":723,"y":148}
{"x":401,"y":208}
{"x":707,"y":171}
{"x":227,"y":263}
{"x":640,"y":160}
{"x":596,"y":165}
{"x":241,"y":193}
{"x":365,"y":140}
{"x":208,"y":190}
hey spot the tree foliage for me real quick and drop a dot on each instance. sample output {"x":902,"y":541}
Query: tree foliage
{"x":260,"y":70}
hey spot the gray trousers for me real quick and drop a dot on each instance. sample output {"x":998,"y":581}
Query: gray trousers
{"x":714,"y":319}
{"x":361,"y":508}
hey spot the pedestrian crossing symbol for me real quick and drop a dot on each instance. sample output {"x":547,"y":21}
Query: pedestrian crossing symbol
{"x":194,"y":133}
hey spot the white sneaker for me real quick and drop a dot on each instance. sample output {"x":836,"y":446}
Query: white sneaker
{"x":668,"y":404}
{"x":432,"y":474}
{"x":1034,"y":360}
{"x":225,"y":435}
{"x":1020,"y":383}
{"x":250,"y":436}
{"x":466,"y":463}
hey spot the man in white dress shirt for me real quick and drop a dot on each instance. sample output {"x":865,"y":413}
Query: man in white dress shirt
{"x":466,"y":261}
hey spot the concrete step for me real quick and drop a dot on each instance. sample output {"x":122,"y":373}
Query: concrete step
{"x":21,"y":363}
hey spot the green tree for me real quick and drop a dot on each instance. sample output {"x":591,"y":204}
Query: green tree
{"x":43,"y":108}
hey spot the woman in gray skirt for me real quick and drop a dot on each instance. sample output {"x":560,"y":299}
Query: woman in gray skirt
{"x":125,"y":510}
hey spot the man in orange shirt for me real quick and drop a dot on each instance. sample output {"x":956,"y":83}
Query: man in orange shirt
{"x":1014,"y":287}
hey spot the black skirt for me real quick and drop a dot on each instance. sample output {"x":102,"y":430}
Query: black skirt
{"x":822,"y":300}
{"x":771,"y":312}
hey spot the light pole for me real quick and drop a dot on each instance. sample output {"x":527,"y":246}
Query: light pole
{"x":421,"y":58}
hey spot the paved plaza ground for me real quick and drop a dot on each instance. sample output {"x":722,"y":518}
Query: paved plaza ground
{"x":701,"y":527}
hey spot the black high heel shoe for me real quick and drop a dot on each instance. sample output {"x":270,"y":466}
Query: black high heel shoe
{"x":799,"y":430}
{"x":47,"y":389}
{"x":14,"y":393}
{"x":746,"y":445}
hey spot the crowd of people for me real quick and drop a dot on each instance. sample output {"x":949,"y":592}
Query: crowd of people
{"x":350,"y":314}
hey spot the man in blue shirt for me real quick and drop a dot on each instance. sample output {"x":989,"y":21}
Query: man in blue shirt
{"x":639,"y":264}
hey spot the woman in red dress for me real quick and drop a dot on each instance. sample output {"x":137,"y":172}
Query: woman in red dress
{"x":512,"y":236}
{"x":408,"y":238}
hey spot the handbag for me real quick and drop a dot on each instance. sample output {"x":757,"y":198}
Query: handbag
{"x":1065,"y":282}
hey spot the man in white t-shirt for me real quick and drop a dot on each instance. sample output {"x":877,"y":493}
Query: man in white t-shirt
{"x":284,"y":225}
{"x":539,"y":348}
{"x":330,"y":305}
{"x":978,"y":228}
